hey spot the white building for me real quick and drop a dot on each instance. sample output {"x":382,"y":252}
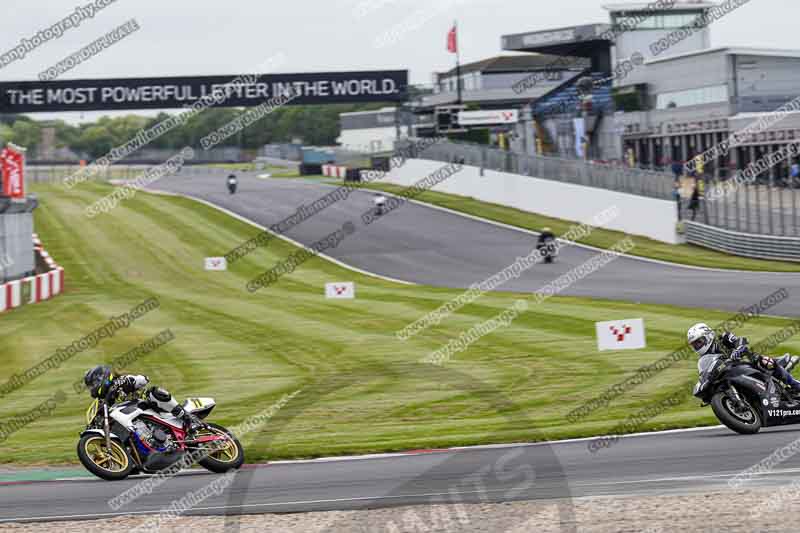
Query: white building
{"x":370,"y":131}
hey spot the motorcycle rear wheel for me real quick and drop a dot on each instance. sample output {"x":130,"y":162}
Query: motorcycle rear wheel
{"x":746,"y":422}
{"x":113,"y":466}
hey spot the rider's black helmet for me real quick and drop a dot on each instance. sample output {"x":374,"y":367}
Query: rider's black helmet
{"x":98,"y":379}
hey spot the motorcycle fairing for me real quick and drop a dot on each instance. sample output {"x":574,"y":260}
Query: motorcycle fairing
{"x":775,"y":409}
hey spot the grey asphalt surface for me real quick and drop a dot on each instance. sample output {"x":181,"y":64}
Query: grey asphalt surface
{"x":432,"y":247}
{"x":428,"y":246}
{"x":677,"y":462}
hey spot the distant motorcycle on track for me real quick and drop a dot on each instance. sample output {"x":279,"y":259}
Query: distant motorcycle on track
{"x":380,"y":204}
{"x":743,"y":397}
{"x":233,"y":183}
{"x":547,"y":246}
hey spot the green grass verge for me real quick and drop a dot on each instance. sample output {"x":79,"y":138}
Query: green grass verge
{"x":283,"y":173}
{"x":685,"y":254}
{"x":242,"y":167}
{"x":363,"y":390}
{"x":276,"y":171}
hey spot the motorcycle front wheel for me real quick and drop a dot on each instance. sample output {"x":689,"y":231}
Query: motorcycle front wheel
{"x":111,"y":465}
{"x":228,"y":457}
{"x":744,"y":420}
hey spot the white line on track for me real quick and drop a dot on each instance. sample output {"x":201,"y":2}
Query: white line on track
{"x":253,"y":505}
{"x":489,"y":447}
{"x":775,"y":473}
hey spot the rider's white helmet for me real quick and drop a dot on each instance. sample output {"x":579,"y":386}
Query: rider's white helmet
{"x":700,"y":337}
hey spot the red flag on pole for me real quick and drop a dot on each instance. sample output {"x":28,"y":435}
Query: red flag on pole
{"x":13,"y":165}
{"x":452,"y":40}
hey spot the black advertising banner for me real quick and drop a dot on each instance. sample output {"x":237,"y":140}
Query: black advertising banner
{"x":227,"y":91}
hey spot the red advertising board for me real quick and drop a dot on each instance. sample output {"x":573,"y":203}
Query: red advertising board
{"x":12,"y":160}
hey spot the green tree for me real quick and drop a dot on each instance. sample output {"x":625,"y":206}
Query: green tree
{"x":96,"y":141}
{"x":27,"y":134}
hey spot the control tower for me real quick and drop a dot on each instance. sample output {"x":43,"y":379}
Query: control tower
{"x":643,"y":29}
{"x":634,"y":28}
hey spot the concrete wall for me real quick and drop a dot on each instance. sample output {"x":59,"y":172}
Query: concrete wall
{"x":16,"y":245}
{"x":648,"y":217}
{"x":370,"y":140}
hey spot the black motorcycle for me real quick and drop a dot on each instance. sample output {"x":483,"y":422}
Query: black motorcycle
{"x":743,"y":397}
{"x":548,"y":249}
{"x":232,"y":184}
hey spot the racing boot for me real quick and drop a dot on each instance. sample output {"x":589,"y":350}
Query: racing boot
{"x":787,"y":378}
{"x":788,"y":361}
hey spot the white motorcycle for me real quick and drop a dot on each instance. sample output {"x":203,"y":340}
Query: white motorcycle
{"x":380,"y":204}
{"x":131,"y":437}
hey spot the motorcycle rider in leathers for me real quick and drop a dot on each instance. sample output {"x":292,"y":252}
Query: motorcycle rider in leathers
{"x":104,"y":384}
{"x":705,"y":343}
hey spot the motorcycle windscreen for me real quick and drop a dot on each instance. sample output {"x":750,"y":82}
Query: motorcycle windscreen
{"x":199,"y":407}
{"x":706,"y":363}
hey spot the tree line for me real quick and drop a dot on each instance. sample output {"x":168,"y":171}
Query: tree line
{"x":314,"y":125}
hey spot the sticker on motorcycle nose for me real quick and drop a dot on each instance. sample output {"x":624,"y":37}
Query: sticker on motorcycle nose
{"x":783,"y":412}
{"x":621,"y":334}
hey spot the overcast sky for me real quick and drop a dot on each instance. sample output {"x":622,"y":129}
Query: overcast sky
{"x":204,"y":37}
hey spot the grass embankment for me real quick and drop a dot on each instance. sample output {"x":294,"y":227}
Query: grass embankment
{"x":363,"y":390}
{"x":685,"y":254}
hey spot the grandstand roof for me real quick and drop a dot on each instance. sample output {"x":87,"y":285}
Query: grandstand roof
{"x":582,"y":41}
{"x":648,"y":6}
{"x":519,"y":63}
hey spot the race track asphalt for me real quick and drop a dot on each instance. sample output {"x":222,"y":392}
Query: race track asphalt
{"x":670,"y":462}
{"x":429,"y":246}
{"x":433,"y":247}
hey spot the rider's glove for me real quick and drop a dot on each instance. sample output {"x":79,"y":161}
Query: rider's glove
{"x":739,"y":352}
{"x":184,"y":416}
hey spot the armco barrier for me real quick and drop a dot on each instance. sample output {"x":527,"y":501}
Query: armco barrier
{"x":33,"y":289}
{"x":744,"y":244}
{"x":596,"y":174}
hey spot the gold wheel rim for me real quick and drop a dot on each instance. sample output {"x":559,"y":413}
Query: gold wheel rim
{"x":226,"y":454}
{"x":115,"y":461}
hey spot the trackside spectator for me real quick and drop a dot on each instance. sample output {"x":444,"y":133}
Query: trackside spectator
{"x":676,"y":194}
{"x":694,"y":202}
{"x":677,"y":169}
